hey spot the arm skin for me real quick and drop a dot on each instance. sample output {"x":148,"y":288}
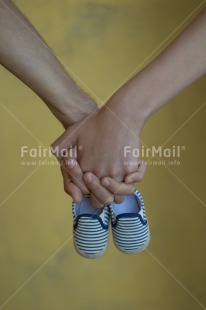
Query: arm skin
{"x":178,"y":66}
{"x":181,"y":63}
{"x":24,"y":53}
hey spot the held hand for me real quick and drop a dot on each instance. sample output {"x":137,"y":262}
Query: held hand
{"x":100,"y":142}
{"x":102,"y":191}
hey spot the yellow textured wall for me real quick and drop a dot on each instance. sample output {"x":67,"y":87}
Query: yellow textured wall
{"x":101,"y":43}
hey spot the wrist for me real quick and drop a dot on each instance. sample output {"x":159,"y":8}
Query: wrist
{"x":68,"y":117}
{"x":143,"y":95}
{"x":70,"y":105}
{"x":129,"y":109}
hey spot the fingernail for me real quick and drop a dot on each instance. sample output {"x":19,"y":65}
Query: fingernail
{"x":106,"y":182}
{"x":130,"y":180}
{"x":71,"y":163}
{"x":88,"y":178}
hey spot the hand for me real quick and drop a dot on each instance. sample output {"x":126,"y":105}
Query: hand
{"x":102,"y":155}
{"x":101,"y":192}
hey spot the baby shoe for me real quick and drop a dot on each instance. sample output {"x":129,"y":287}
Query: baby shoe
{"x":130,"y":228}
{"x":90,"y":228}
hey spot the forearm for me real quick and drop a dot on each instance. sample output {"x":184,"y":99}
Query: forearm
{"x":26,"y":55}
{"x":173,"y":70}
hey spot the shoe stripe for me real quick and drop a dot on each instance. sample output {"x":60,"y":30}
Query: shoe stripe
{"x":130,"y":230}
{"x":91,"y":233}
{"x":90,"y":243}
{"x":132,"y":240}
{"x":129,"y":234}
{"x":127,"y":223}
{"x":87,"y":234}
{"x":90,"y":250}
{"x":86,"y":238}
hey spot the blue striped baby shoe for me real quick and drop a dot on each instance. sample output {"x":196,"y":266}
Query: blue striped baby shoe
{"x":129,"y":224}
{"x":90,"y":229}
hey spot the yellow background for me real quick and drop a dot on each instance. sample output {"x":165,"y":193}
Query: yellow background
{"x":102,"y":42}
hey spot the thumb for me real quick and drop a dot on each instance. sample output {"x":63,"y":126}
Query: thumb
{"x":65,"y":142}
